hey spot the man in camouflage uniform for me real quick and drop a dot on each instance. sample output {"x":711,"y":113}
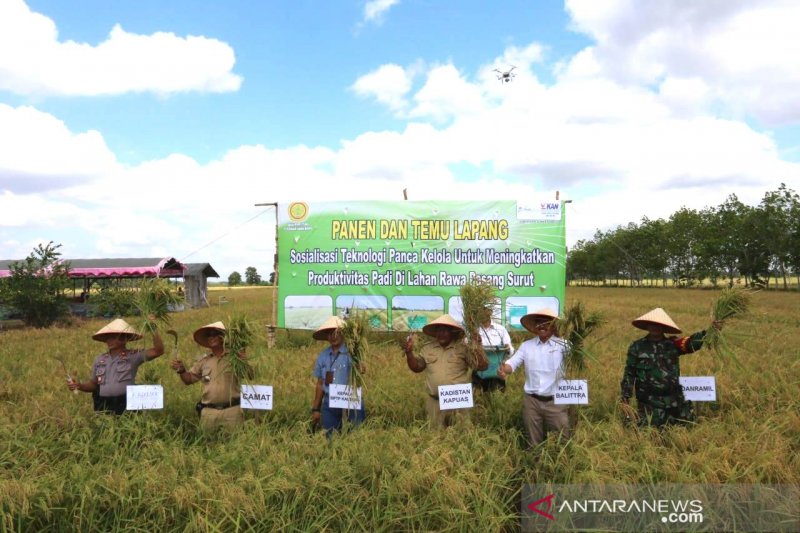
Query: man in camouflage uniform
{"x":653,"y":369}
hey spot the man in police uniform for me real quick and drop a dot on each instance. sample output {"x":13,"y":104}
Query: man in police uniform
{"x":444,"y":362}
{"x":114,"y":370}
{"x":219,"y":404}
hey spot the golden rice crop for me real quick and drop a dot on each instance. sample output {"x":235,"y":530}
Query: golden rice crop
{"x":240,"y":334}
{"x":154,"y":300}
{"x":477,"y":298}
{"x":731,"y":303}
{"x":574,"y":328}
{"x":355,"y":333}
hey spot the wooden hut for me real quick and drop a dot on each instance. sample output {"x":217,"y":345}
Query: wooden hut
{"x":195,"y":280}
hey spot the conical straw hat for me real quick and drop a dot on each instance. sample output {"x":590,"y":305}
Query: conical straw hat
{"x":444,"y":320}
{"x":529,"y":321}
{"x":201,"y":335}
{"x":657,"y":316}
{"x":333,"y":322}
{"x":116,"y":327}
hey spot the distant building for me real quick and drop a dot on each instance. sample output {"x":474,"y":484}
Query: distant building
{"x":195,"y":280}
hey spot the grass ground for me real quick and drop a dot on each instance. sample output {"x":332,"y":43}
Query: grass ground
{"x":62,"y":468}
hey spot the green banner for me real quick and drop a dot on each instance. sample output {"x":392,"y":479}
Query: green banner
{"x":403,"y":262}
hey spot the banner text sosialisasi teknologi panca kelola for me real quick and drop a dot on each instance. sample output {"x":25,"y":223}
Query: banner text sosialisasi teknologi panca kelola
{"x":403,"y":263}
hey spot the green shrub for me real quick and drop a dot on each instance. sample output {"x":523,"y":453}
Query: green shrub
{"x":36,"y":287}
{"x":114,"y":301}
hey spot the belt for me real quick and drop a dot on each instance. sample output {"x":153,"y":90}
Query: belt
{"x":220,"y":406}
{"x":540,"y":398}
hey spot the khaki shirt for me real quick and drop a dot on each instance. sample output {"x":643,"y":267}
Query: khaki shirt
{"x":445,"y":366}
{"x":219,"y":384}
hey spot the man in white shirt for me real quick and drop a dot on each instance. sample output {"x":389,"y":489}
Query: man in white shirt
{"x":497,"y":345}
{"x":543,"y":357}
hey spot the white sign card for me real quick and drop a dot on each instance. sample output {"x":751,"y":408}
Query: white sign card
{"x":699,"y":388}
{"x":343,"y":397}
{"x":257,"y":397}
{"x":455,"y":396}
{"x":571,"y":391}
{"x":140,"y":397}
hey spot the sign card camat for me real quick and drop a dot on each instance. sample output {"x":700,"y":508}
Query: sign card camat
{"x":257,"y":397}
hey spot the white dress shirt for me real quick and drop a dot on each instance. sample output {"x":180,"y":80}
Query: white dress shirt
{"x":496,"y":335}
{"x":544,"y":362}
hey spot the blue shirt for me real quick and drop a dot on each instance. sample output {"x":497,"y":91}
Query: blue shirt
{"x":338,"y":363}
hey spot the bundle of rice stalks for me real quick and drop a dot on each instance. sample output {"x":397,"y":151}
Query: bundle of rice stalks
{"x":477,"y":298}
{"x":629,"y":414}
{"x":153,"y":300}
{"x":240,"y":333}
{"x":574,"y":328}
{"x":355,"y":333}
{"x":732,"y":302}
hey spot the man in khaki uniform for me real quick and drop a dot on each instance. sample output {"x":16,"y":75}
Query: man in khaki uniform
{"x":444,"y":363}
{"x":219,"y":404}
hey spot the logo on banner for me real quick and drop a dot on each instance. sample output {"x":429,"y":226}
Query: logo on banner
{"x":298,"y":211}
{"x":540,"y":211}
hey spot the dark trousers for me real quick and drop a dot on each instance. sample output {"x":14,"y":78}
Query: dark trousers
{"x":332,"y":418}
{"x":109,"y":404}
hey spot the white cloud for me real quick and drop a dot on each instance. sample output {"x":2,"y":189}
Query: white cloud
{"x":161,"y":63}
{"x":375,"y":10}
{"x":389,"y":84}
{"x":446,"y":94}
{"x":39,"y":152}
{"x":744,"y":52}
{"x":624,"y":138}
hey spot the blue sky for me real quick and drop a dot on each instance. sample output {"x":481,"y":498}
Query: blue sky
{"x":297,"y":59}
{"x":148,"y":128}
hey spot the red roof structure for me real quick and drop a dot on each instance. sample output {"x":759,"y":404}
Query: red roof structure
{"x":149,"y":267}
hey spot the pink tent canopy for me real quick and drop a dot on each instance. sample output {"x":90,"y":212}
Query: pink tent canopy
{"x":166,"y":267}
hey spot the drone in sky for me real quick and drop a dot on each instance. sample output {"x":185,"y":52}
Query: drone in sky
{"x":506,"y":76}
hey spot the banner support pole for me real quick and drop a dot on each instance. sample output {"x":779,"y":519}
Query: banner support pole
{"x":271,"y":327}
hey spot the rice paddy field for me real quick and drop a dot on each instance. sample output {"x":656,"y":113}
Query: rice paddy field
{"x":64,"y":469}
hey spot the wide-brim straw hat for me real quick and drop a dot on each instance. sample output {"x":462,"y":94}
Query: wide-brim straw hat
{"x":657,"y":316}
{"x":201,"y":334}
{"x":333,"y":322}
{"x":115,"y":328}
{"x":444,"y":320}
{"x":529,"y":321}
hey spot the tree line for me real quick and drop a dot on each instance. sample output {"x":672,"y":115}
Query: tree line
{"x":729,"y":243}
{"x":251,"y":277}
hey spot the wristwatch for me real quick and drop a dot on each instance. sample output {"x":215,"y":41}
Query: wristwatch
{"x":315,"y":409}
